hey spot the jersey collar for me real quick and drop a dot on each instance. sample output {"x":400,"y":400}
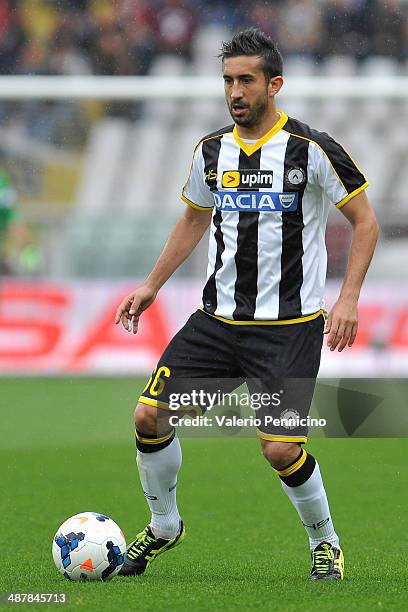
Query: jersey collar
{"x":249,"y":149}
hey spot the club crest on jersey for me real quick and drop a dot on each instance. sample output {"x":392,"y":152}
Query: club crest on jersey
{"x":251,"y":179}
{"x":295,"y":176}
{"x":255,"y":201}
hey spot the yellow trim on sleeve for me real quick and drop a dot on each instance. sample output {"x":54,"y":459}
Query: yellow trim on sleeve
{"x":191,"y":166}
{"x":293,"y":468}
{"x":351,"y":195}
{"x":194,"y":205}
{"x":272,"y":322}
{"x":249,"y":149}
{"x":271,"y":438}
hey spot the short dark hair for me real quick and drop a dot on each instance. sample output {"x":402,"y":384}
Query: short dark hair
{"x":254,"y":42}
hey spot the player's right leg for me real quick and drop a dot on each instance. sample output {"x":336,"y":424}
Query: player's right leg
{"x":158,"y":461}
{"x":203,"y":348}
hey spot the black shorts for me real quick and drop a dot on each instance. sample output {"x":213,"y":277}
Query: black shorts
{"x":281,"y":359}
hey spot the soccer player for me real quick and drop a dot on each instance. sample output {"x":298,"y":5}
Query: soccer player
{"x":264,"y":185}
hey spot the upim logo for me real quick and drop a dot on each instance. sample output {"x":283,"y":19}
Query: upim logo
{"x":250,"y":179}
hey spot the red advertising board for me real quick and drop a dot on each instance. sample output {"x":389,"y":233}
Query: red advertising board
{"x":68,"y":327}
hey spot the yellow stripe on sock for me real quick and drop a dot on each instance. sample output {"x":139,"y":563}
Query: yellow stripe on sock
{"x":272,"y":438}
{"x":153,"y":440}
{"x":293,"y":468}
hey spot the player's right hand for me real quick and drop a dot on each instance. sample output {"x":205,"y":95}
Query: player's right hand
{"x":132,"y":306}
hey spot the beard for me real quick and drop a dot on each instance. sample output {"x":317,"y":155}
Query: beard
{"x":254,"y":113}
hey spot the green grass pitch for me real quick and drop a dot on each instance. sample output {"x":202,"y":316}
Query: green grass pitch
{"x":67,"y":446}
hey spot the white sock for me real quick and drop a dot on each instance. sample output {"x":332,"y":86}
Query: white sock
{"x":310,"y":500}
{"x":158,"y":475}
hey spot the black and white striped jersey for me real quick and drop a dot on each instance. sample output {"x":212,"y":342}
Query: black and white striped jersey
{"x":270,"y":199}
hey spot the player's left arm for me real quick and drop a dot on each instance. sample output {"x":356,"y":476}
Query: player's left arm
{"x":342,"y":322}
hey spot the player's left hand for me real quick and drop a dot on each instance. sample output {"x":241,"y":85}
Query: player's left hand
{"x":342,"y":324}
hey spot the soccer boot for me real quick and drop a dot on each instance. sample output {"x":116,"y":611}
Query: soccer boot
{"x":327,"y":563}
{"x":145,"y":549}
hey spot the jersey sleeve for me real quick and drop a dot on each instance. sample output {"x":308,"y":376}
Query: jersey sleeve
{"x":196,"y":192}
{"x":337,"y":173}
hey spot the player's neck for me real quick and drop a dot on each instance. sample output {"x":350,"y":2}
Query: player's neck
{"x":257,"y":131}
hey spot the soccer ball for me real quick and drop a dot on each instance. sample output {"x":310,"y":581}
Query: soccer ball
{"x":89,"y":546}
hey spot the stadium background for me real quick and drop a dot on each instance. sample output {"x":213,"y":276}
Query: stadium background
{"x":88,"y":191}
{"x":97,"y":182}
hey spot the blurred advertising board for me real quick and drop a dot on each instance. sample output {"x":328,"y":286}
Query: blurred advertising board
{"x":68,"y":327}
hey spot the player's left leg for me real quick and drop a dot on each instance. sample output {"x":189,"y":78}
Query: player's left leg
{"x":288,"y":357}
{"x":302,"y":482}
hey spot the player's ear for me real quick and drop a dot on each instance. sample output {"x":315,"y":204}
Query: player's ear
{"x":274,"y":86}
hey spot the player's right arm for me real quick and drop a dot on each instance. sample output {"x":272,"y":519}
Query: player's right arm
{"x":184,"y":237}
{"x":181,"y":242}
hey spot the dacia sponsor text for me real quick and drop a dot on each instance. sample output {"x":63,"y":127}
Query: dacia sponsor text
{"x":241,"y":201}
